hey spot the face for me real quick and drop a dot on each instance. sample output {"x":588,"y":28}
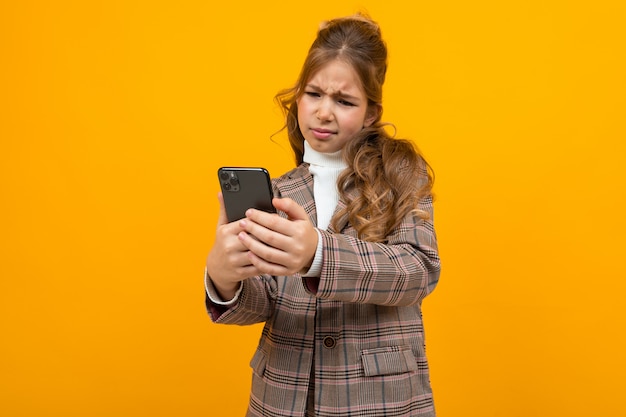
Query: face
{"x":333,"y":107}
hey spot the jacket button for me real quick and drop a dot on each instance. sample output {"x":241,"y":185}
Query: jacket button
{"x":329,"y":342}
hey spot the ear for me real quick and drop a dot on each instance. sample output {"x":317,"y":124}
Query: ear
{"x":373,"y":112}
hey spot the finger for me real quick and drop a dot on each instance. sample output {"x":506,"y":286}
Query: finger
{"x":259,"y":223}
{"x":293,"y":210}
{"x":221,"y":219}
{"x":230,"y":266}
{"x":266,"y":267}
{"x":272,"y":230}
{"x":274,"y":222}
{"x":264,"y":250}
{"x":247,"y":271}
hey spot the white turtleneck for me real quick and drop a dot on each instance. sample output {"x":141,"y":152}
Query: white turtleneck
{"x":325,"y":169}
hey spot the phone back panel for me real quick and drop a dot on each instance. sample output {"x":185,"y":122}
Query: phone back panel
{"x":245,"y":188}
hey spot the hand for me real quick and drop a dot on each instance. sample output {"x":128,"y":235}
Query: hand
{"x":228,"y":263}
{"x":276,"y":245}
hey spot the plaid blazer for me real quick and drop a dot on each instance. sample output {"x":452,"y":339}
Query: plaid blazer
{"x":351,"y":342}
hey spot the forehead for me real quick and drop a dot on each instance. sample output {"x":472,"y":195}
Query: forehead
{"x":337,"y":76}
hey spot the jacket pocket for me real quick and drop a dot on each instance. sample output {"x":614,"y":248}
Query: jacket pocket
{"x":258,"y":362}
{"x":388,"y":360}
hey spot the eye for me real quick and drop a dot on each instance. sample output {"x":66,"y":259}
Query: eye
{"x":345,"y":103}
{"x":312,"y":93}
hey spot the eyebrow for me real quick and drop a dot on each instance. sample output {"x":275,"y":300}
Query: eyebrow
{"x":335,"y":94}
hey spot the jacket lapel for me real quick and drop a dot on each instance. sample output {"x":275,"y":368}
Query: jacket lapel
{"x":299,"y":187}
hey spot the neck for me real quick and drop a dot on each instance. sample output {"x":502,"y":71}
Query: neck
{"x":329,"y":160}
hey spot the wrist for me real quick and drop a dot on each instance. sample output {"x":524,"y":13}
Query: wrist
{"x":221,"y":293}
{"x":226,"y":291}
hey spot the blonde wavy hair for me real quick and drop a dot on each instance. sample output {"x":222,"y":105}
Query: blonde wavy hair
{"x":386,"y":177}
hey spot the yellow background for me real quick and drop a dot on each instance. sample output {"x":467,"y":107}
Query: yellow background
{"x":116,"y":115}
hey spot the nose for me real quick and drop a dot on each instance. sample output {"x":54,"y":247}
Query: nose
{"x":324,"y":110}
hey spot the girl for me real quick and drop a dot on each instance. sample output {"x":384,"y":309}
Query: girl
{"x":339,"y":275}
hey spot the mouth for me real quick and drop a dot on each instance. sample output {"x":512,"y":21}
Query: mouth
{"x":322,"y":133}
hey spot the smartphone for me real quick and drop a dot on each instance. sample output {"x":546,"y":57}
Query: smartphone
{"x":245,"y":188}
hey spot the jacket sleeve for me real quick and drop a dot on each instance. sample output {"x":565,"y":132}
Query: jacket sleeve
{"x":400,"y":272}
{"x":255,"y":303}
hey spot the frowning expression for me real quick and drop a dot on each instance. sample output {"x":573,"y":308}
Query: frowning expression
{"x":333,"y":108}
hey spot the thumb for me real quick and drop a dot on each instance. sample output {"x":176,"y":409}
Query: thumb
{"x":221,"y":219}
{"x":293,"y":210}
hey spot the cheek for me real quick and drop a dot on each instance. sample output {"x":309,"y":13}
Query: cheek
{"x":357,"y":122}
{"x":302,"y":108}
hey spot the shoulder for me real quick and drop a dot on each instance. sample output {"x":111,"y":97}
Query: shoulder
{"x":296,"y":184}
{"x":298,"y":174}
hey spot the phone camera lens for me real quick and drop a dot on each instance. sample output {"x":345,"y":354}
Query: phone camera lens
{"x":224,"y":175}
{"x":227,"y":186}
{"x":234,"y":181}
